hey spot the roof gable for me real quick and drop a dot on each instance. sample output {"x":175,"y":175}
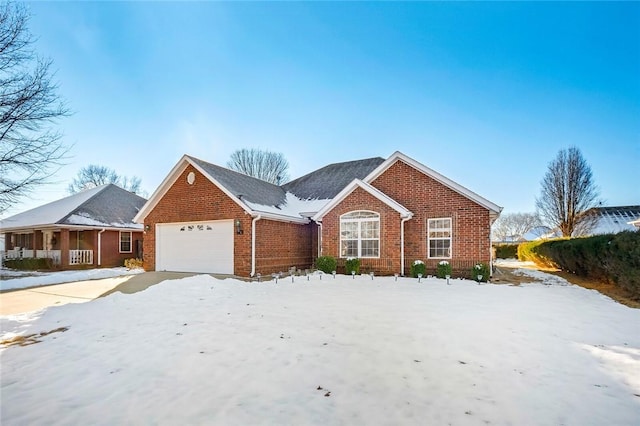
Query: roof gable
{"x":357,"y":183}
{"x":242,"y":186}
{"x":398,"y":156}
{"x":327,"y":182}
{"x":106,"y":205}
{"x":113,"y":206}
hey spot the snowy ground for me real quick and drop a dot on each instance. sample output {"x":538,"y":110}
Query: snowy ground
{"x":20,"y":279}
{"x":206,"y":351}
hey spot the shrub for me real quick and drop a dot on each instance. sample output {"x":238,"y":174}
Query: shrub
{"x":443,"y":269}
{"x":418,"y":267}
{"x":506,"y":251}
{"x":480,"y":269}
{"x":133,"y":263}
{"x":326,"y":264}
{"x":28,"y":263}
{"x":609,"y":258}
{"x":352,"y":264}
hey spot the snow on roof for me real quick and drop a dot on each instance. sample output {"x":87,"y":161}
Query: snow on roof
{"x":102,"y":206}
{"x":50,"y":213}
{"x":292,"y":207}
{"x":611,"y":220}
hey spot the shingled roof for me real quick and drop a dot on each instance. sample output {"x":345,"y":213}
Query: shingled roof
{"x":245,"y":187}
{"x":102,"y":206}
{"x":327,"y":182}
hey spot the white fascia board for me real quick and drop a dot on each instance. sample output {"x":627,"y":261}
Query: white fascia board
{"x":172,"y":177}
{"x":357,"y":183}
{"x":436,"y":176}
{"x":279,"y":218}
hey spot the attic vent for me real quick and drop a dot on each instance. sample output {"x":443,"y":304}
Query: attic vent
{"x":191,"y":177}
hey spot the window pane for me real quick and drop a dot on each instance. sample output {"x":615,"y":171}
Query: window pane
{"x":370,"y":229}
{"x":370,"y":248}
{"x":349,"y":248}
{"x":359,"y":215}
{"x":349,"y":230}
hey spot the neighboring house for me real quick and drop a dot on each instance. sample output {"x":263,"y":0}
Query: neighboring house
{"x":388,"y":213}
{"x":609,"y":220}
{"x":93,"y":227}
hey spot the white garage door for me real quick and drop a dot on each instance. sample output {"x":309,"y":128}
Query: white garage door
{"x":195,"y":247}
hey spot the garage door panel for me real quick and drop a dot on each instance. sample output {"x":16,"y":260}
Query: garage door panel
{"x":195,"y":247}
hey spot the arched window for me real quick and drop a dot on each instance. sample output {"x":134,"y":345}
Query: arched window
{"x":360,"y":234}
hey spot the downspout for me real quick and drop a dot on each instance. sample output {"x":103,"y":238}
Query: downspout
{"x":319,"y":238}
{"x":404,"y":219}
{"x":100,"y":246}
{"x":253,"y":244}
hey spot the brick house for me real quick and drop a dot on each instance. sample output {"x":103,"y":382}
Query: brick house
{"x":388,"y":213}
{"x":91,"y":228}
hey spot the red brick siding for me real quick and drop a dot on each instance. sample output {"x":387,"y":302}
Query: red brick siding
{"x":427,"y":198}
{"x":198,"y":202}
{"x":279,"y":245}
{"x":111,"y":255}
{"x":389,"y":261}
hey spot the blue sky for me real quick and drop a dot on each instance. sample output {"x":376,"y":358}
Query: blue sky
{"x":484,"y":93}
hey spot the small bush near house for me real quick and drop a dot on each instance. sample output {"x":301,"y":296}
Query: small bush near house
{"x":418,"y":267}
{"x":29,"y":264}
{"x":352,"y":264}
{"x":443,"y":269}
{"x":506,"y":251}
{"x":326,"y":264}
{"x":480,"y":269}
{"x":133,"y":263}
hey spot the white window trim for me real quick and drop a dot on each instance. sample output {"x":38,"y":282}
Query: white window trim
{"x":450,"y":238}
{"x":130,"y":241}
{"x":359,"y":221}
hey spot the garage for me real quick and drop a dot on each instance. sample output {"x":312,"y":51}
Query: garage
{"x":195,"y":247}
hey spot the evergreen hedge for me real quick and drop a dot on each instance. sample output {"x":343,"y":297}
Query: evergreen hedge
{"x":28,"y":264}
{"x":506,"y":251}
{"x":613,"y":258}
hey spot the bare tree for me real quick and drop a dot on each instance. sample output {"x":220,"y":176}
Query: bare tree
{"x":268,"y":166}
{"x":30,"y":149}
{"x":93,"y":175}
{"x":568,"y":192}
{"x":514,"y":226}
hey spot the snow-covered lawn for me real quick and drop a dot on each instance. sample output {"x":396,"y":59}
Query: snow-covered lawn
{"x":35,"y":279}
{"x":337,"y":351}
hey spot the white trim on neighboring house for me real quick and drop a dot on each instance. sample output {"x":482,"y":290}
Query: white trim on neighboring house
{"x":494,"y":209}
{"x":130,"y":242}
{"x":635,"y":223}
{"x":357,"y":183}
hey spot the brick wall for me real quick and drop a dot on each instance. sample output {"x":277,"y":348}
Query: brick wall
{"x":279,"y":245}
{"x":359,"y":199}
{"x":427,"y":198}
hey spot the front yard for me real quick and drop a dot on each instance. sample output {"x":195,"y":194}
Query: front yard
{"x":332,"y":351}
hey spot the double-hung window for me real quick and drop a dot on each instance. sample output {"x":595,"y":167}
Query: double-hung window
{"x":439,"y":238}
{"x":125,"y":242}
{"x":360,"y":234}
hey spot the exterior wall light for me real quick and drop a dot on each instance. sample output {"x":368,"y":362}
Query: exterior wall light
{"x":147,"y":227}
{"x":239,"y":227}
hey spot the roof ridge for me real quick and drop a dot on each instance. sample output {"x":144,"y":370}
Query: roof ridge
{"x":233,"y":171}
{"x":102,"y":188}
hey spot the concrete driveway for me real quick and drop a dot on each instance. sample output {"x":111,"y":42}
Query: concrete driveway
{"x":33,"y":299}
